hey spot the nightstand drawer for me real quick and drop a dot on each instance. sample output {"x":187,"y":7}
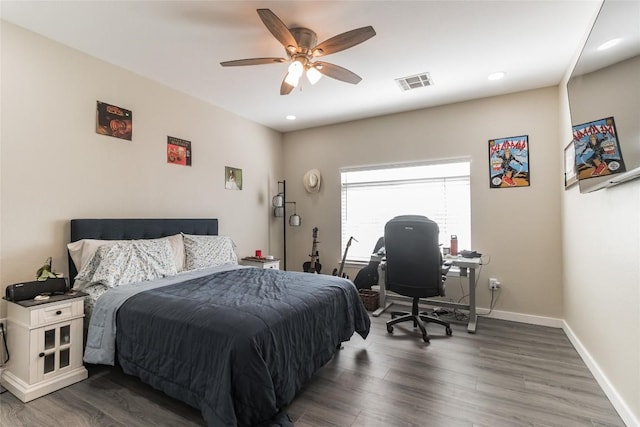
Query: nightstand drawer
{"x":56,"y":313}
{"x":51,"y":313}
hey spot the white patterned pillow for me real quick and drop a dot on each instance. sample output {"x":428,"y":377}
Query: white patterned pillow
{"x":129,"y":262}
{"x":82,"y":251}
{"x":208,"y":251}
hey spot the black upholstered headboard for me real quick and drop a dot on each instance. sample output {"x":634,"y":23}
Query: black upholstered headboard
{"x":126,"y":229}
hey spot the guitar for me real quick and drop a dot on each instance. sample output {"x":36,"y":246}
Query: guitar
{"x":314,"y":265}
{"x":337,"y":272}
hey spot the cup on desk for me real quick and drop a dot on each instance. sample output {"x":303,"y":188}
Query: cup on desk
{"x":446,"y":251}
{"x":258,"y":253}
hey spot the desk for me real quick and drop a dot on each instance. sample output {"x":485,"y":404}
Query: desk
{"x":466,"y":265}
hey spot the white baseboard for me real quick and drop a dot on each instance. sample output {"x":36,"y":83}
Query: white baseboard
{"x":618,"y":403}
{"x":497,"y":314}
{"x":522,"y":318}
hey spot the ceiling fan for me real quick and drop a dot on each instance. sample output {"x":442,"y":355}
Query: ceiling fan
{"x":302,"y":50}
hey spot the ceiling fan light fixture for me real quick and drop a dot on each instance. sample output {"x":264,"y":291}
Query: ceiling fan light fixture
{"x":295,"y":72}
{"x":313,"y":75}
{"x":292,"y":79}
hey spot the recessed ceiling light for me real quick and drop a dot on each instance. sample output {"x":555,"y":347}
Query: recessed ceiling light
{"x":609,"y":44}
{"x":290,"y":117}
{"x":496,"y":76}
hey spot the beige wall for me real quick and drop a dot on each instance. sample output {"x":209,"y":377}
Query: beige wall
{"x":518,"y":227}
{"x":55,"y":167}
{"x":601,"y":251}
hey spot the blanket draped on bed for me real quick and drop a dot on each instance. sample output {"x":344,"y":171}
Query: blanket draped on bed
{"x":237,"y":344}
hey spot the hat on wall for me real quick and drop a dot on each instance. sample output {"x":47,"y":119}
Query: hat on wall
{"x":311,"y":181}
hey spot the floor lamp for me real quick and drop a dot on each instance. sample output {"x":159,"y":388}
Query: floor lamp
{"x":279,"y":203}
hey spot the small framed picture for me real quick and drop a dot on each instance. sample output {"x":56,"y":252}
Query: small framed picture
{"x":232,"y":178}
{"x":570,"y":170}
{"x":114,"y":121}
{"x":178,"y":151}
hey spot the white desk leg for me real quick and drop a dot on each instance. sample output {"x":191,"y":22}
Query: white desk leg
{"x":382,"y":296}
{"x":473,"y":318}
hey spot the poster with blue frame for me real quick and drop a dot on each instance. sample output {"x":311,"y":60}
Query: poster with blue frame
{"x":597,"y":150}
{"x":509,"y":162}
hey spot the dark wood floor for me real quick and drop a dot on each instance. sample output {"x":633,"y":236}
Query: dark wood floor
{"x":508,"y":374}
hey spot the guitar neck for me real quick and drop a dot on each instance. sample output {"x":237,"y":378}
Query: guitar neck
{"x":314,"y":252}
{"x":313,"y":265}
{"x":344,"y":257}
{"x":314,"y":247}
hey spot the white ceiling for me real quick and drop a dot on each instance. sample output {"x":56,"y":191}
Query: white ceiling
{"x":181,"y":44}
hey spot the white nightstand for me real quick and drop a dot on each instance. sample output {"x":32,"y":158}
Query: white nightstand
{"x":45,"y":344}
{"x":261,"y":262}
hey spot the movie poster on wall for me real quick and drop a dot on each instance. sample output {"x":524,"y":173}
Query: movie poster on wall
{"x":114,"y":121}
{"x":178,"y":151}
{"x":597,"y":150}
{"x":509,"y":162}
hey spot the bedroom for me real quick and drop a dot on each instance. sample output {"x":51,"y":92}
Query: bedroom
{"x":54,"y":167}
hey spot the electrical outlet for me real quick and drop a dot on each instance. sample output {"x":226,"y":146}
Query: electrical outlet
{"x":494,"y":284}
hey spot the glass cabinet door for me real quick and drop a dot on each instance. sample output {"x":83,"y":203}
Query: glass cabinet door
{"x":49,"y":338}
{"x":49,"y":362}
{"x":54,"y":349}
{"x":65,"y":335}
{"x":49,"y":350}
{"x":65,"y":341}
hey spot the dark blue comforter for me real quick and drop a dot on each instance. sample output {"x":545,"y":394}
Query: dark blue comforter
{"x":237,"y":344}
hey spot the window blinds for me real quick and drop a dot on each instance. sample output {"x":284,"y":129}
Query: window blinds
{"x":372,"y":196}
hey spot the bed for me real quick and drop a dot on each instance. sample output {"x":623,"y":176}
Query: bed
{"x":236,"y":342}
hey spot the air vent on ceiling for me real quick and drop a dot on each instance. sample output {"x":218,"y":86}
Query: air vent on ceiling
{"x":414,"y":82}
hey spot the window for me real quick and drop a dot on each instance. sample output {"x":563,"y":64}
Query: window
{"x":372,"y":196}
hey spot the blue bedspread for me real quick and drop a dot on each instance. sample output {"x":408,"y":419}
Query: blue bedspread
{"x":237,"y":344}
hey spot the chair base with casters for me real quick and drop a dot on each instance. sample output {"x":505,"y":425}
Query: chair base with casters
{"x":418,"y":318}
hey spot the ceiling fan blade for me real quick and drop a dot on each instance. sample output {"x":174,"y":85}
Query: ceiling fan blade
{"x":278,"y":29}
{"x":285,"y":88}
{"x":337,"y":72}
{"x":252,"y":61}
{"x":344,"y":41}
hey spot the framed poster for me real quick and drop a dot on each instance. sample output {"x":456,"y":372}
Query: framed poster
{"x":178,"y":151}
{"x":597,"y":149}
{"x":232,"y":178}
{"x":570,"y":171}
{"x":114,"y":121}
{"x":509,"y":162}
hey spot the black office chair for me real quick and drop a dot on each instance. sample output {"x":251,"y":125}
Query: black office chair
{"x":414,"y":267}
